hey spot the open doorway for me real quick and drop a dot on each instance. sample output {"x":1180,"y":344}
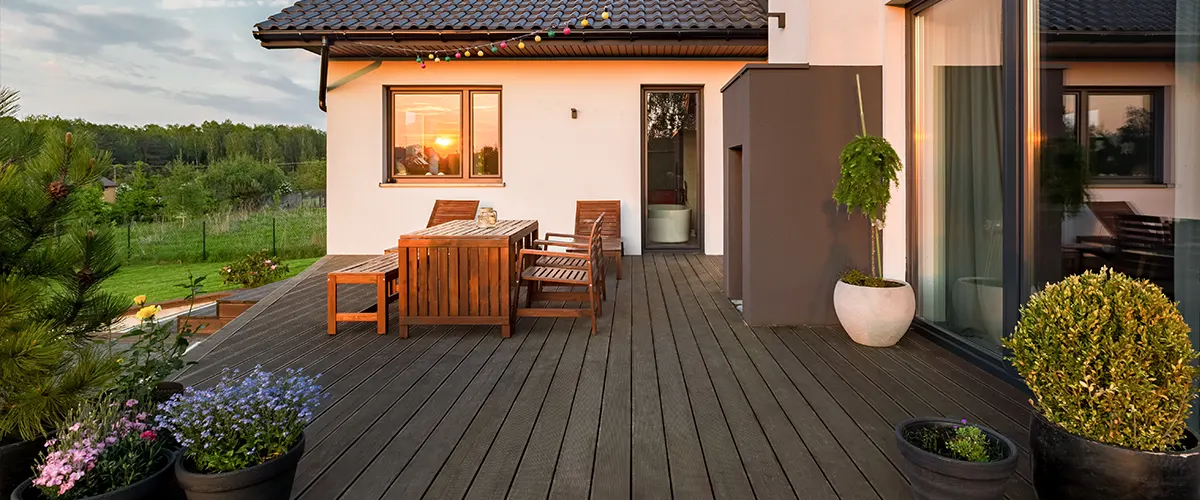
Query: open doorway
{"x":672,"y":168}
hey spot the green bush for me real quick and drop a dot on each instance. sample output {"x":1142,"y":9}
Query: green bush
{"x":255,"y":269}
{"x":243,"y":182}
{"x":1108,"y":358}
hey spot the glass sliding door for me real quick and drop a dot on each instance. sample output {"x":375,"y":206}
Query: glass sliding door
{"x":672,"y":168}
{"x":957,"y":131}
{"x":1116,"y":174}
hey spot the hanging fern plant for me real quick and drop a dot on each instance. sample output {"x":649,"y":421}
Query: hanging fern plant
{"x":870,"y":167}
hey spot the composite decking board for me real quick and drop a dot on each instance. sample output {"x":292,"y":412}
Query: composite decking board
{"x":456,"y":473}
{"x":439,"y":423}
{"x":779,"y":435}
{"x":838,"y":469}
{"x":913,"y":394}
{"x":499,"y":466}
{"x":612,"y":462}
{"x":673,"y":379}
{"x":651,"y":477}
{"x":536,"y":470}
{"x":685,"y":456}
{"x":746,"y":404}
{"x":360,"y":438}
{"x":726,"y":471}
{"x":865,"y":436}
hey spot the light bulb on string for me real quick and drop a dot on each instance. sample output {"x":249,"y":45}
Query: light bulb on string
{"x":467,"y":53}
{"x":604,"y":15}
{"x":447,"y":58}
{"x":494,"y":49}
{"x":422,"y":65}
{"x":458,"y":55}
{"x":480,"y":53}
{"x":537,"y":38}
{"x":504,"y":45}
{"x":584,"y":22}
{"x":566,"y":31}
{"x":521,"y":45}
{"x":550,"y":34}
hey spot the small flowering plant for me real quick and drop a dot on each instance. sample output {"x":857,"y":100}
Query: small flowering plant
{"x":109,"y":445}
{"x":243,"y":421}
{"x":253,"y":270}
{"x":959,"y":441}
{"x":156,"y":351}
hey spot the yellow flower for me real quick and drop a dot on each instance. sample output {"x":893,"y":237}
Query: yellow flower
{"x":139,"y":300}
{"x":148,"y":312}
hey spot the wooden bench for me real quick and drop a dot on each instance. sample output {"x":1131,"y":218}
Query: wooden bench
{"x":383,"y":272}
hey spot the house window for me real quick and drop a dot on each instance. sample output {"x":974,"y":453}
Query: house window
{"x":1121,"y":130}
{"x":443,"y":135}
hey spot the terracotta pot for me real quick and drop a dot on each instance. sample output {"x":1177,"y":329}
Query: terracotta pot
{"x":271,"y":480}
{"x":1070,"y":467}
{"x":934,"y":477}
{"x":875,"y":317}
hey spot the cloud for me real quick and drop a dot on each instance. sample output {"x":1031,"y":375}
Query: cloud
{"x":220,"y":4}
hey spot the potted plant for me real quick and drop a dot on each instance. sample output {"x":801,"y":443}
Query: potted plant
{"x":1113,"y":373}
{"x":156,"y":352}
{"x":52,"y":304}
{"x":874,"y":311}
{"x":243,"y":438}
{"x":109,"y":451}
{"x":946,"y":459}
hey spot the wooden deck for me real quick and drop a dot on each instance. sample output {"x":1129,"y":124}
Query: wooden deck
{"x":675,"y":398}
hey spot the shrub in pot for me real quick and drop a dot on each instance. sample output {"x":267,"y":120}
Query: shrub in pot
{"x":874,"y":311}
{"x":243,"y":438}
{"x":109,"y":451}
{"x":955,"y":460}
{"x":1113,"y":373}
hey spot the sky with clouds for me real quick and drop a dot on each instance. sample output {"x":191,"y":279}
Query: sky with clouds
{"x":136,"y":62}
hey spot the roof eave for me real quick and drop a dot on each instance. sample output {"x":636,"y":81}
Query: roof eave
{"x":295,"y":38}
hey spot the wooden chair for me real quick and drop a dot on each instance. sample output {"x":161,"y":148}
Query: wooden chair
{"x":573,"y":245}
{"x":534,"y":276}
{"x":587,"y":212}
{"x":447,"y":210}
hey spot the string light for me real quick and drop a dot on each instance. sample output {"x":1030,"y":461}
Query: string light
{"x":581,"y":21}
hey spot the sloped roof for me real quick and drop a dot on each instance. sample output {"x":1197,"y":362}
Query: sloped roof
{"x":515,"y":15}
{"x":1110,"y":16}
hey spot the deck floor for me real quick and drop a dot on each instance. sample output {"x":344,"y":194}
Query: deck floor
{"x":675,"y":398}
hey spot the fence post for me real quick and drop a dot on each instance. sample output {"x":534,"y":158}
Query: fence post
{"x":273,"y":252}
{"x":203,"y":240}
{"x":128,"y":239}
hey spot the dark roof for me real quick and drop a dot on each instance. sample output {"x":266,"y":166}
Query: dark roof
{"x":516,"y":15}
{"x":108,"y":183}
{"x":1111,"y":16}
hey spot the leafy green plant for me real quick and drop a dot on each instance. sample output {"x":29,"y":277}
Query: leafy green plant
{"x":1108,"y":358}
{"x":858,"y":278}
{"x":870,"y":167}
{"x":156,"y":351}
{"x":52,"y":305}
{"x":255,"y":269}
{"x":959,"y":442}
{"x":1065,"y":175}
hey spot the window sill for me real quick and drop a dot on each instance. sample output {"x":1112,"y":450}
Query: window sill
{"x":441,"y":184}
{"x":1128,"y":185}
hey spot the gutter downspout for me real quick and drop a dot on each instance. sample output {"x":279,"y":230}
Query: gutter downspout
{"x":324,"y":72}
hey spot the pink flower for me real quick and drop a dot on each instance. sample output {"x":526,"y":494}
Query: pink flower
{"x":141,"y":416}
{"x":131,"y":403}
{"x":74,"y":428}
{"x":273,"y":267}
{"x":149,"y":435}
{"x":51,"y":442}
{"x":110,"y":440}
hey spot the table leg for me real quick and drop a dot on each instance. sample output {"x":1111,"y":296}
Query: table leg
{"x":332,"y":304}
{"x":381,"y":305}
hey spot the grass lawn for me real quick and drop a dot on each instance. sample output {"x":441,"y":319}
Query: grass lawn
{"x":226,"y":236}
{"x":157,"y":281}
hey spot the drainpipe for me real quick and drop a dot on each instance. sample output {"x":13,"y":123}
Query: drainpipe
{"x":324,"y":72}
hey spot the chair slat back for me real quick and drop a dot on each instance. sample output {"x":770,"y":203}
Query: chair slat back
{"x":596,"y":245}
{"x":1107,"y":212}
{"x":587,"y":211}
{"x":449,"y":210}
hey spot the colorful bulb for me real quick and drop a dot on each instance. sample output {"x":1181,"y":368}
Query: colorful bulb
{"x":551,"y":34}
{"x":431,"y":56}
{"x":504,"y":45}
{"x":566,"y":31}
{"x":604,"y":15}
{"x":584,"y":22}
{"x":447,"y":58}
{"x":467,"y":54}
{"x":494,"y":49}
{"x":418,"y":58}
{"x":480,"y":53}
{"x":521,"y":45}
{"x":537,"y":38}
{"x":422,"y":65}
{"x":458,"y":55}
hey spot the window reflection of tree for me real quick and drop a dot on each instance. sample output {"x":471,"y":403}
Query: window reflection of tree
{"x":1128,"y":151}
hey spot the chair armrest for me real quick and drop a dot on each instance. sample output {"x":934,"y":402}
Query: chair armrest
{"x":568,"y":236}
{"x":545,"y":253}
{"x":554,"y":243}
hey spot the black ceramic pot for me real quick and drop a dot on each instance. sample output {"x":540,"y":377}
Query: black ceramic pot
{"x":268,"y":481}
{"x":164,"y":390}
{"x":150,"y":488}
{"x":16,"y":463}
{"x":1069,"y":467}
{"x":934,"y":477}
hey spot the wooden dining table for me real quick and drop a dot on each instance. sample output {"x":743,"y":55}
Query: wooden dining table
{"x":460,"y":274}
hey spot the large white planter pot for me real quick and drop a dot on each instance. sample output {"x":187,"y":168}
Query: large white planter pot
{"x":668,"y":223}
{"x":875,"y":317}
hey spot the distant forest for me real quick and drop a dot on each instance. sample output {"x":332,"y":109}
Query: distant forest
{"x":204,"y":144}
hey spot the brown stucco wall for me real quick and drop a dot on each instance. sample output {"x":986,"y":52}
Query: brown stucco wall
{"x":790,"y":123}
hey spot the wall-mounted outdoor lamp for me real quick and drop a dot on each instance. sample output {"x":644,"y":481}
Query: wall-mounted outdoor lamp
{"x":574,"y":113}
{"x":782,"y":16}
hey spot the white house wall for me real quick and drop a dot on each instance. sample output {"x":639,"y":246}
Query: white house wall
{"x":549,"y":160}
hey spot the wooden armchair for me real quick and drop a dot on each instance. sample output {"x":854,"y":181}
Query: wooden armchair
{"x":586,"y":213}
{"x":588,"y":276}
{"x":448,"y":210}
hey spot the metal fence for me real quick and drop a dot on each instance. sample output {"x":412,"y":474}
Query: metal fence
{"x":288,"y":234}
